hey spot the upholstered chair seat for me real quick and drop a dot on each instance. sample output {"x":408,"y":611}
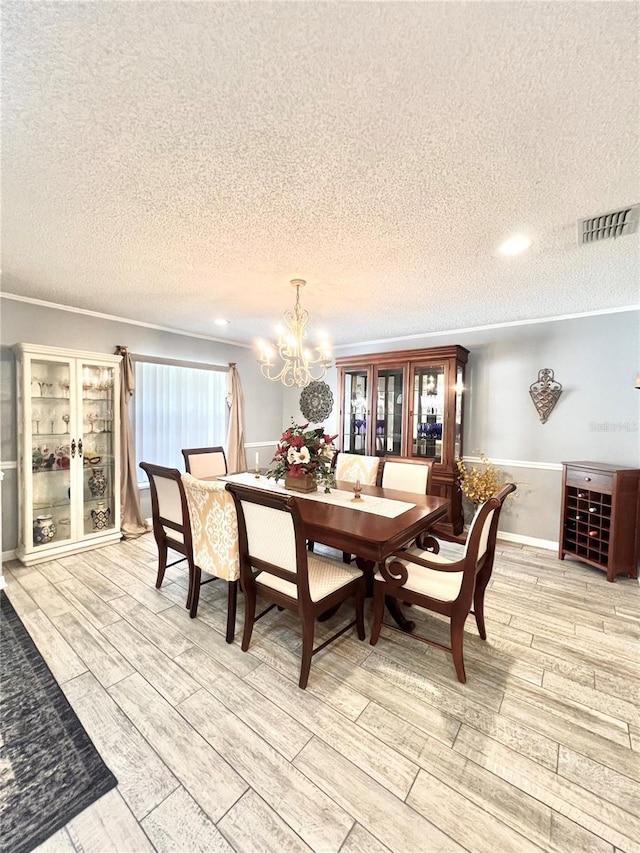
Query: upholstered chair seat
{"x":325,"y":576}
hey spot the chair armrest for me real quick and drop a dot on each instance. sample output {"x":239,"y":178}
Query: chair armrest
{"x":395,"y":572}
{"x":428,"y":543}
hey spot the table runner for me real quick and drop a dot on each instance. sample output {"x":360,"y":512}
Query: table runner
{"x":367,"y":503}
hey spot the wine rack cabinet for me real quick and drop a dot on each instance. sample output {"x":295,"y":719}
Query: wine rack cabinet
{"x":600,"y":507}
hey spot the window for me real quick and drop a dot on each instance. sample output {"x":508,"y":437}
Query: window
{"x":177,"y":405}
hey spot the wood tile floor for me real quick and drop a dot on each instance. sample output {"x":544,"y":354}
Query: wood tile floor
{"x":216,"y":750}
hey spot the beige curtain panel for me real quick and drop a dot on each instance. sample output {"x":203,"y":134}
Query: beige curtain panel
{"x":236,"y":455}
{"x":132,"y":524}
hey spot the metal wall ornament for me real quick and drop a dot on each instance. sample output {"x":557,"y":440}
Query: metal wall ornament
{"x":545,"y":393}
{"x":316,"y":402}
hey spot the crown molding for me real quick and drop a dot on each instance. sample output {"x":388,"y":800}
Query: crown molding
{"x":510,"y":324}
{"x":115,"y":319}
{"x":420,"y":336}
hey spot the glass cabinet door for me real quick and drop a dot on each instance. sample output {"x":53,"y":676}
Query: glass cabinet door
{"x":354,"y":411}
{"x":48,"y":415}
{"x":98,"y":449}
{"x":389,"y":411}
{"x":457,"y":436}
{"x":428,"y":412}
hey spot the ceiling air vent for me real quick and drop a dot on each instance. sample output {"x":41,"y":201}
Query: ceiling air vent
{"x":617,"y":223}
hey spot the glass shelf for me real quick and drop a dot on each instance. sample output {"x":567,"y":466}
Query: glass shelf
{"x":39,"y":505}
{"x":36,"y":398}
{"x":37,"y":436}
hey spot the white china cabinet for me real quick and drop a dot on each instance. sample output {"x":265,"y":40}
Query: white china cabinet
{"x":68,"y":451}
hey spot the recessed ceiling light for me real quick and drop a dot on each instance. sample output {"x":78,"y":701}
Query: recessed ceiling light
{"x":221,"y":322}
{"x":515,"y":245}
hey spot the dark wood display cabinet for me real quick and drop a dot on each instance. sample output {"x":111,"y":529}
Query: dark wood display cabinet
{"x":600,"y":517}
{"x":407,"y":403}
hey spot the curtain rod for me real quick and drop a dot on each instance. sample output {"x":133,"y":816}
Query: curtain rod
{"x":174,"y":362}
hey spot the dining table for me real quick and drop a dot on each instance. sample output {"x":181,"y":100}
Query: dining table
{"x":371,"y":527}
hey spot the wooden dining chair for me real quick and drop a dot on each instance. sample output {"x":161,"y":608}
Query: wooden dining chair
{"x":275,"y":564}
{"x":410,"y":475}
{"x":449,"y":587}
{"x":406,"y":475}
{"x":353,"y":466}
{"x":214,"y":534}
{"x":172,"y":530}
{"x":171,"y":527}
{"x":350,"y":467}
{"x":205,"y":462}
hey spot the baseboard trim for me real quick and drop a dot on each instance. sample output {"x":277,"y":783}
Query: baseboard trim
{"x":518,"y":539}
{"x":8,"y":555}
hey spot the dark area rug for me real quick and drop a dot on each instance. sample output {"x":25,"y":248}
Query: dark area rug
{"x":49,"y":768}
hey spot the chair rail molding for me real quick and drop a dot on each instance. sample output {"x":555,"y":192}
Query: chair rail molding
{"x":516,"y":463}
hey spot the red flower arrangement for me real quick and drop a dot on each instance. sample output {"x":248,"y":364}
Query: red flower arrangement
{"x":301,"y":451}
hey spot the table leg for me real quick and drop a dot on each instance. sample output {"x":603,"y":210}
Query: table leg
{"x":368,"y":568}
{"x":393,"y":606}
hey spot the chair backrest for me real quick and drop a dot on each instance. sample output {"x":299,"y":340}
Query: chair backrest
{"x":352,"y":466}
{"x":481,"y":538}
{"x":406,"y":475}
{"x":168,"y":503}
{"x":271,"y":537}
{"x":205,"y":461}
{"x":214,"y":527}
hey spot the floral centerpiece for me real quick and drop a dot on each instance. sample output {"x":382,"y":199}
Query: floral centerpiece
{"x":479,"y":484}
{"x":303,"y":458}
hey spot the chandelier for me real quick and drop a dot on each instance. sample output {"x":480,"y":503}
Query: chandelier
{"x":298,"y":363}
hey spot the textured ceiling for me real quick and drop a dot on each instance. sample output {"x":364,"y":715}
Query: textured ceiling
{"x":174,"y":162}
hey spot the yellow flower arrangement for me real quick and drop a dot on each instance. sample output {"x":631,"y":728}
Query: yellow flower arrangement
{"x":479,"y":484}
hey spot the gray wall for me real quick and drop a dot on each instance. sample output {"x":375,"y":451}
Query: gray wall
{"x":24,"y":322}
{"x":597,"y":418}
{"x":594,"y":358}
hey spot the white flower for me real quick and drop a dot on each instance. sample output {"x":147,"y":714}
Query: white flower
{"x":304,"y":456}
{"x":293,"y":457}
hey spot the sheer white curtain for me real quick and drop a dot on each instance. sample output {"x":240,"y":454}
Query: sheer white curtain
{"x":177,"y":406}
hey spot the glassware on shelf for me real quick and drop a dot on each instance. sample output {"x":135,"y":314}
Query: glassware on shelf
{"x":52,"y":420}
{"x":91,"y":418}
{"x":36,"y":417}
{"x":66,"y":418}
{"x":107,"y":420}
{"x":45,"y":388}
{"x":64,"y":387}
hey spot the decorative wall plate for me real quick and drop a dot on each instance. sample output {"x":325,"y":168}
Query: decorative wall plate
{"x":545,"y":393}
{"x":316,"y":402}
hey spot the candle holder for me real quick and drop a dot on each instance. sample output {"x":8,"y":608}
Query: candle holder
{"x":357,"y":489}
{"x":257,"y":474}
